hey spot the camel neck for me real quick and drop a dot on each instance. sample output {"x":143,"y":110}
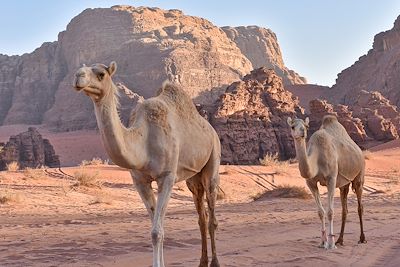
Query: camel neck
{"x":303,"y":158}
{"x":115,"y":136}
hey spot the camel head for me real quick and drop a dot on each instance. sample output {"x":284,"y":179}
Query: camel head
{"x":298,"y":127}
{"x":95,"y":80}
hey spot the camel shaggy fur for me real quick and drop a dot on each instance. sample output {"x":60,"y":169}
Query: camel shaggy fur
{"x":167,"y":141}
{"x":334,"y":160}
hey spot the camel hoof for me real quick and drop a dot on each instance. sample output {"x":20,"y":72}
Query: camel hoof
{"x":214,"y":263}
{"x":362,"y":241}
{"x":322,"y":245}
{"x":203,"y":263}
{"x":330,"y":246}
{"x":339,"y":242}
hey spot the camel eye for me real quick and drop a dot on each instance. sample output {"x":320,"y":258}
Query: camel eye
{"x":292,"y":127}
{"x":101,"y":76}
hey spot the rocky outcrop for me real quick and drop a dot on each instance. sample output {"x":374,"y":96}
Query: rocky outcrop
{"x":29,"y":149}
{"x":376,"y":71}
{"x":150,"y":45}
{"x":354,"y":127}
{"x":250,"y":118}
{"x":261,"y":47}
{"x":371,"y":118}
{"x":381,"y":119}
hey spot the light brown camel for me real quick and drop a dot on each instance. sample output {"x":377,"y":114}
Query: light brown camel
{"x":334,"y":160}
{"x":167,"y":142}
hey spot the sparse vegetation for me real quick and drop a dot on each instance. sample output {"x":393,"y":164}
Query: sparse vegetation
{"x":32,"y":173}
{"x":87,"y":178}
{"x":7,"y":196}
{"x":12,"y":166}
{"x":284,"y":191}
{"x":94,"y":162}
{"x":101,"y":199}
{"x":367,"y":154}
{"x":272,"y":160}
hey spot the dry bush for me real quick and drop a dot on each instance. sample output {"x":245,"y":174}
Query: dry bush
{"x":87,"y":179}
{"x":367,"y":154}
{"x":93,"y":162}
{"x":284,"y":191}
{"x":7,"y":196}
{"x":32,"y":173}
{"x":101,"y":199}
{"x":12,"y":166}
{"x":272,"y":160}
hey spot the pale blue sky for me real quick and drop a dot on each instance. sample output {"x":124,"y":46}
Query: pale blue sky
{"x":318,"y":38}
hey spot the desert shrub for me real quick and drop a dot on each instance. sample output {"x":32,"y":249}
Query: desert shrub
{"x":367,"y":154}
{"x":284,"y":191}
{"x":12,"y":166}
{"x":93,"y":162}
{"x":270,"y":160}
{"x":8,"y":197}
{"x":87,"y":178}
{"x":32,"y":173}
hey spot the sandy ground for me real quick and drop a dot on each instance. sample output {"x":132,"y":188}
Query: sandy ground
{"x":50,"y":222}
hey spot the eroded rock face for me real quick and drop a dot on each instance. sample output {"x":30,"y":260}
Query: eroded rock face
{"x":381,"y":119}
{"x":371,"y":118}
{"x":250,"y":118}
{"x":376,"y":71}
{"x":150,"y":45}
{"x":354,"y":127}
{"x":29,"y":149}
{"x":261,"y":47}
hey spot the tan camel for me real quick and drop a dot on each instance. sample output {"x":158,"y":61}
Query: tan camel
{"x":334,"y":160}
{"x":167,"y":142}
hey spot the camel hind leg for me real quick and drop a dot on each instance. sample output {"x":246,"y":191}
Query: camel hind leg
{"x":195,"y":186}
{"x":357,"y":186}
{"x":344,"y":191}
{"x":210,"y":180}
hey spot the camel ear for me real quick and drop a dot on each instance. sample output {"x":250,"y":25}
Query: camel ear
{"x":112,"y":68}
{"x":289,"y":121}
{"x":306,"y":122}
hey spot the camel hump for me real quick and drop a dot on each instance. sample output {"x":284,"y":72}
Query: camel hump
{"x":329,"y":119}
{"x":175,"y":96}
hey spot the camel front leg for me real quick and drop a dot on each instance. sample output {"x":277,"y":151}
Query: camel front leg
{"x":321,"y":212}
{"x":143,"y":186}
{"x":331,"y":192}
{"x":165,"y":185}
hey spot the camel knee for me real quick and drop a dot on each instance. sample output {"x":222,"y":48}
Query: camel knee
{"x":330,"y":214}
{"x":213,"y":223}
{"x":321,"y":214}
{"x":157,"y":236}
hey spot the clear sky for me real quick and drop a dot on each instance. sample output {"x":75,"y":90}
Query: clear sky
{"x":318,"y":38}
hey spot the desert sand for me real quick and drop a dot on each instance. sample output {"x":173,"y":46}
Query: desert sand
{"x":50,"y":221}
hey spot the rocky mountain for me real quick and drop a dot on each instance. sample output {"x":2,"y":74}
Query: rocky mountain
{"x":378,"y":70}
{"x":250,"y":118}
{"x":29,"y":149}
{"x":261,"y":47}
{"x":150,"y":45}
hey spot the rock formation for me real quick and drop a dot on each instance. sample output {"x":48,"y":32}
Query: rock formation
{"x":376,"y":71}
{"x":354,"y":127}
{"x":261,"y":47}
{"x":250,"y":118}
{"x":29,"y":149}
{"x":150,"y":46}
{"x":371,"y":118}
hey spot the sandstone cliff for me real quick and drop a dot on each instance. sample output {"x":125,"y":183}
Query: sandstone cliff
{"x":250,"y":118}
{"x":376,"y":71}
{"x":261,"y":47}
{"x":29,"y":149}
{"x":150,"y":45}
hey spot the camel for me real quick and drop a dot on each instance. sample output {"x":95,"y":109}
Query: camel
{"x":334,"y":160}
{"x":167,"y":142}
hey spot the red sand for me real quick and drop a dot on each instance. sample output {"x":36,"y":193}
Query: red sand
{"x":50,"y":224}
